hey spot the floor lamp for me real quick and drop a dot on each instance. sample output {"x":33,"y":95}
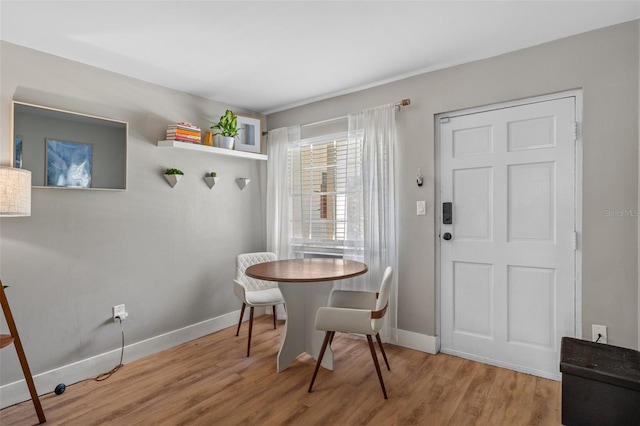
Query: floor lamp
{"x":15,"y":200}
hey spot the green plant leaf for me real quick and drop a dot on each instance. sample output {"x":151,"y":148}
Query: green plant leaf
{"x":228,"y":124}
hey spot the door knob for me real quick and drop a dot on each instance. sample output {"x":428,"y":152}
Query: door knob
{"x":447,"y":236}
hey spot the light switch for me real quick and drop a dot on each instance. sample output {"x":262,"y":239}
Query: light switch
{"x":421,"y":208}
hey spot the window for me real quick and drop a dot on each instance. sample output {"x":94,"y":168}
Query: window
{"x":326,"y":196}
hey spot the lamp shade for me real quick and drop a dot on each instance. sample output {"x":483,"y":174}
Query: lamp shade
{"x":15,"y":192}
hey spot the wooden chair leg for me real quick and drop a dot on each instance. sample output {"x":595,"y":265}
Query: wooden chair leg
{"x":241,"y":315}
{"x":328,"y":335}
{"x":384,"y":355}
{"x":274,"y":317}
{"x":21,"y":355}
{"x":250,"y":330}
{"x":375,"y":361}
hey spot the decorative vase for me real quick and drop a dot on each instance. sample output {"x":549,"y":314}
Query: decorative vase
{"x":226,"y":142}
{"x":208,"y":139}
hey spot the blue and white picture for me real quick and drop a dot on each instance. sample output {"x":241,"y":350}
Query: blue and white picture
{"x":68,"y":164}
{"x":17,"y":161}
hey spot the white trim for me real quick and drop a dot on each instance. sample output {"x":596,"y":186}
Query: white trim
{"x":578,"y":212}
{"x":16,"y":392}
{"x":575,"y":93}
{"x":416,"y":341}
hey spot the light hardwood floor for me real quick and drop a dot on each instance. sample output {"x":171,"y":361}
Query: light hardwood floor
{"x":210,"y":381}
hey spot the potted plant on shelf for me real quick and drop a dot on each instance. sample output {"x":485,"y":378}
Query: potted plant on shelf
{"x":228,"y":127}
{"x":211,"y":179}
{"x":173,"y":176}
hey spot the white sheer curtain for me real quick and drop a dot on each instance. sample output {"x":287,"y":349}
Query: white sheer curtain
{"x":376,"y":128}
{"x":370,"y":212}
{"x":278,"y":211}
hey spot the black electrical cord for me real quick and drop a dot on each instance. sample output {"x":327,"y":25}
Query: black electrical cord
{"x":59,"y":390}
{"x":599,"y":337}
{"x":105,"y":376}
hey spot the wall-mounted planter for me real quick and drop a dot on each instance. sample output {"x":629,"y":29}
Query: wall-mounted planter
{"x":242,"y":182}
{"x":173,"y":179}
{"x":211,"y":181}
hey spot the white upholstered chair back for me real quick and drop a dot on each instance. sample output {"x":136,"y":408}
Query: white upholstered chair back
{"x":383,"y":297}
{"x":243,"y":261}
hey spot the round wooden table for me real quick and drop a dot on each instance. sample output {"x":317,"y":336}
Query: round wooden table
{"x":305,"y":285}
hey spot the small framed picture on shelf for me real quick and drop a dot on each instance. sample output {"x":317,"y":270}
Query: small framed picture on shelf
{"x":249,"y":136}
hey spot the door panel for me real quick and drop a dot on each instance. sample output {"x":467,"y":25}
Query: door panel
{"x":535,"y":133}
{"x":508,"y":272}
{"x":531,"y":202}
{"x":473,"y":298}
{"x":472,"y":201}
{"x":531,"y":306}
{"x":471,"y":141}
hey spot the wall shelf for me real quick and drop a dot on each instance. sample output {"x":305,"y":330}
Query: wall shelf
{"x":212,"y":150}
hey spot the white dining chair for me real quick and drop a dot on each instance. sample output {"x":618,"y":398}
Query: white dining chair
{"x":358,"y":321}
{"x":357,"y":300}
{"x":255,"y":293}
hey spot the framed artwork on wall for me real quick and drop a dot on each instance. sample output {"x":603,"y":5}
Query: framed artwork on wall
{"x":248,"y":138}
{"x":103,"y":142}
{"x":68,"y":164}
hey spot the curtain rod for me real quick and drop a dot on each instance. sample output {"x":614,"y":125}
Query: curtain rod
{"x":398,"y":105}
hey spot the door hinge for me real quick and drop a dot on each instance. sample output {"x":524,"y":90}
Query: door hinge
{"x":574,"y":240}
{"x":575,"y":130}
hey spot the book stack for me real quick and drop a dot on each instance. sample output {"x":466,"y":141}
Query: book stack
{"x":184,"y":132}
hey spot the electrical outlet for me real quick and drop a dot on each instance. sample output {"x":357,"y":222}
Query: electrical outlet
{"x":599,"y":331}
{"x":119,"y":311}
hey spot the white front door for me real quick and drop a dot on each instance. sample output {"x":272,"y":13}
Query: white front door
{"x":508,"y":255}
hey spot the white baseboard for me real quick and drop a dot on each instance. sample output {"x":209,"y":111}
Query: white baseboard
{"x":16,"y":392}
{"x":416,"y":341}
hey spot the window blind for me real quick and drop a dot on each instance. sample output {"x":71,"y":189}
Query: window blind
{"x":326,"y":195}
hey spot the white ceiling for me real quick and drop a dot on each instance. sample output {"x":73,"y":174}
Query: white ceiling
{"x":267,"y":56}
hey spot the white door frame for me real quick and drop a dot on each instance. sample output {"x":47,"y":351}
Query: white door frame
{"x":577,"y":94}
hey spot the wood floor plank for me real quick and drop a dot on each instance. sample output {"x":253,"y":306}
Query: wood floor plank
{"x":520,"y":394}
{"x":498,"y":399}
{"x":211,"y":381}
{"x":474,"y":399}
{"x":546,"y":408}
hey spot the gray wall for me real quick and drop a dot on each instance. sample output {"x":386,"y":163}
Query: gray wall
{"x":168,"y":254}
{"x":604,"y":64}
